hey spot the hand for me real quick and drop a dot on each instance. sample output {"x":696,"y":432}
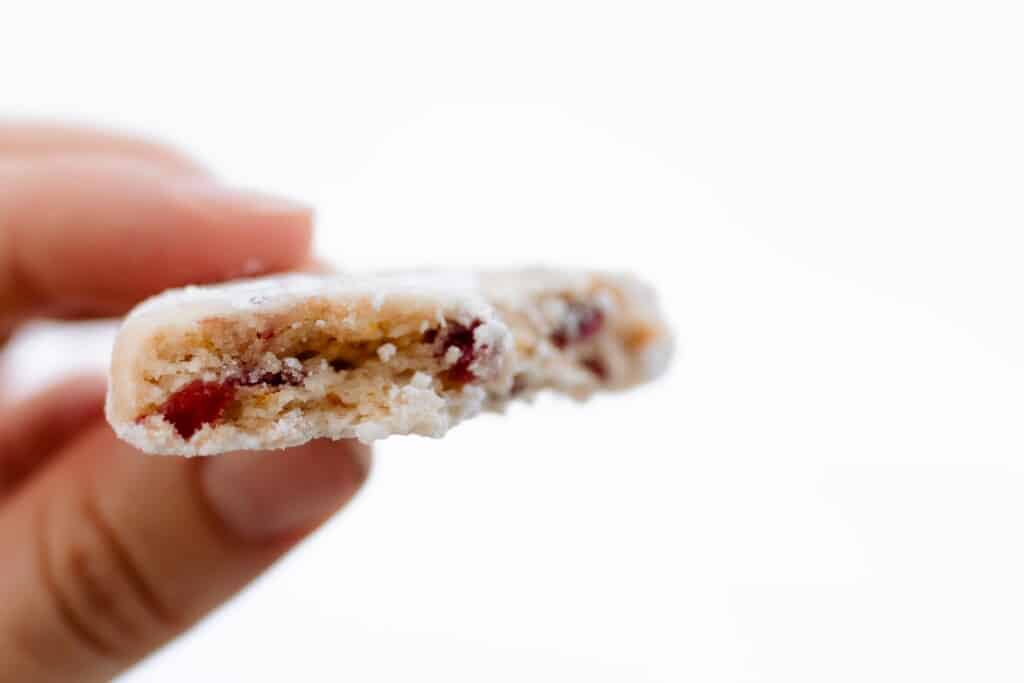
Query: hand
{"x":105,"y":553}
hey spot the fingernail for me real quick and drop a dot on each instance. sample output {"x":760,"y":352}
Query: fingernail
{"x":206,"y":191}
{"x":266,"y":495}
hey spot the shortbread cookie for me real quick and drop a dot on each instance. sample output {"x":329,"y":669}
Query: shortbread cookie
{"x":277,"y":361}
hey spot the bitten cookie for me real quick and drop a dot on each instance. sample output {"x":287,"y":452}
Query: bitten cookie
{"x":274,"y":362}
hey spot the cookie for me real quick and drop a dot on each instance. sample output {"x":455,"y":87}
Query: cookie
{"x":274,"y":362}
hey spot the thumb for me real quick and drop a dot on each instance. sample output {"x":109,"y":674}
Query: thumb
{"x":109,"y":553}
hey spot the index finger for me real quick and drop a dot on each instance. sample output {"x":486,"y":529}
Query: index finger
{"x":92,"y":236}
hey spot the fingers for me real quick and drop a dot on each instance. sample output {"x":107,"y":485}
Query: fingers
{"x":37,"y":140}
{"x":93,"y":237}
{"x":111,"y":552}
{"x":32,"y":430}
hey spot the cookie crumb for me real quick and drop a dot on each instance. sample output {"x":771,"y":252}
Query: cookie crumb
{"x":386,"y":352}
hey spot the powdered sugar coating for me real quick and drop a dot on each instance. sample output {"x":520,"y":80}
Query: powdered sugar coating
{"x":266,"y":294}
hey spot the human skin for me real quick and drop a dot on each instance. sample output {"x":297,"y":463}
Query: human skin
{"x":106,"y":553}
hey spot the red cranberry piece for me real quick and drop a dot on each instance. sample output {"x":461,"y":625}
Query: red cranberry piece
{"x":290,"y":376}
{"x":582,"y":321}
{"x":596,"y":366}
{"x":429,"y":336}
{"x":461,"y":337}
{"x":196,"y":404}
{"x":591,"y":320}
{"x":460,"y":372}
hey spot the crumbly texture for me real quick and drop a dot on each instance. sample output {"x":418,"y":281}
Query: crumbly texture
{"x":274,"y":362}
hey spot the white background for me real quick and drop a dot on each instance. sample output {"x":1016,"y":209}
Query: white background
{"x":828,"y":484}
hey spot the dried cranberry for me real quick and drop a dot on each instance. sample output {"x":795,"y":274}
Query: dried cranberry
{"x":596,"y":366}
{"x":460,"y":372}
{"x":429,"y":336}
{"x":461,"y":337}
{"x":582,"y":321}
{"x":591,"y":320}
{"x":196,"y":404}
{"x":274,"y":379}
{"x":287,"y":376}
